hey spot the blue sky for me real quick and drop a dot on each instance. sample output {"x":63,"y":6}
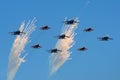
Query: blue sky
{"x":100,"y":62}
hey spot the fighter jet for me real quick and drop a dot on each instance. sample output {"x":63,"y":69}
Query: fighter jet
{"x":88,"y":29}
{"x":36,"y":46}
{"x":105,"y":38}
{"x":63,"y":36}
{"x":45,"y":27}
{"x":70,"y":22}
{"x":55,"y":50}
{"x":82,"y":48}
{"x":17,"y":32}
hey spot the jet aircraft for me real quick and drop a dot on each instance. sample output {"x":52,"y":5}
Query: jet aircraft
{"x":45,"y":27}
{"x":17,"y":32}
{"x":82,"y":48}
{"x":55,"y":50}
{"x":105,"y":38}
{"x":36,"y":46}
{"x":63,"y":36}
{"x":70,"y":22}
{"x":88,"y":29}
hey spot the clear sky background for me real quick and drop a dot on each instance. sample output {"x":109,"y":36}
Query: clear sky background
{"x":100,"y":62}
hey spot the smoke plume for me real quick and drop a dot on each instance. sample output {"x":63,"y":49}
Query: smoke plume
{"x":58,"y":59}
{"x":17,"y":55}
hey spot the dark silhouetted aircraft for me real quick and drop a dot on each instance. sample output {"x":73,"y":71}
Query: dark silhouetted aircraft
{"x":63,"y":36}
{"x":70,"y":22}
{"x":36,"y":46}
{"x":105,"y":38}
{"x":82,"y":48}
{"x":17,"y":32}
{"x":55,"y":50}
{"x":45,"y":27}
{"x":88,"y":30}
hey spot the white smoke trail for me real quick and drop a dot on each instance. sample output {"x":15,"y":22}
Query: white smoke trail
{"x":58,"y":59}
{"x":16,"y":59}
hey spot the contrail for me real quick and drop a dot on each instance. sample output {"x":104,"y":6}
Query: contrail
{"x":58,"y":59}
{"x":17,"y":55}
